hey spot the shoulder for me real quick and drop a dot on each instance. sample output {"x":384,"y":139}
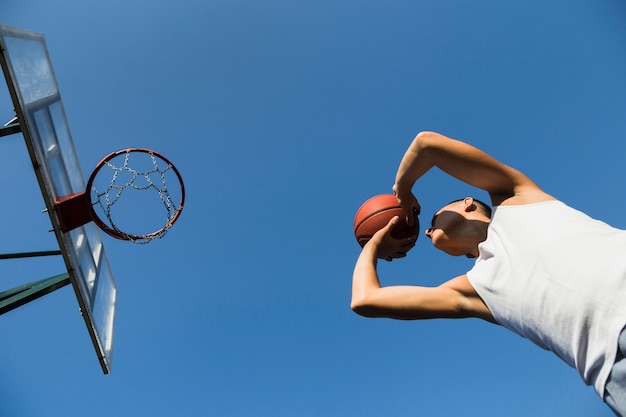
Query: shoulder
{"x":525,"y":192}
{"x":469,"y":302}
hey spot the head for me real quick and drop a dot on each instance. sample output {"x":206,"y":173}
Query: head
{"x":459,"y":226}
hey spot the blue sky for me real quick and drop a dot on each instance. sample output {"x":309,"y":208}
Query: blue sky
{"x":283,"y":116}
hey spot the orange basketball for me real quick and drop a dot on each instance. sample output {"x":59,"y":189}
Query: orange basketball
{"x":375,"y":213}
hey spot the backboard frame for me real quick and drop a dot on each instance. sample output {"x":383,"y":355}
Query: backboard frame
{"x":41,"y":115}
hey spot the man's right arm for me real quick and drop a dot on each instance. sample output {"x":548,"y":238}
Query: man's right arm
{"x":453,"y":299}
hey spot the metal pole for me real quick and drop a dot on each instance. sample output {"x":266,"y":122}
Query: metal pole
{"x":29,"y":254}
{"x":18,"y":296}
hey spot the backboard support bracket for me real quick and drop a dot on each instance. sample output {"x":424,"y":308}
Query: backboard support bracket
{"x":10,"y":128}
{"x":19,"y":296}
{"x":30,"y":254}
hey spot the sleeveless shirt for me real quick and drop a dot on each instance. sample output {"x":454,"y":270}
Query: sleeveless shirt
{"x":557,"y":277}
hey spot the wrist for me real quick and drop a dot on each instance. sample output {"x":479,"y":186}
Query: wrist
{"x":371,"y":249}
{"x":402,"y":188}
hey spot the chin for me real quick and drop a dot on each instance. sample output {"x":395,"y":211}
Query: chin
{"x":451,"y":251}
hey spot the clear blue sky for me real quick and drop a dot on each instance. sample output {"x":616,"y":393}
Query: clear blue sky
{"x":283,"y":116}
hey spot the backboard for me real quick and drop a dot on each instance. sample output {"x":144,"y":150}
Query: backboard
{"x":39,"y":109}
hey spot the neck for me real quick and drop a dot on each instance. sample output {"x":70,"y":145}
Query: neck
{"x":475,"y":234}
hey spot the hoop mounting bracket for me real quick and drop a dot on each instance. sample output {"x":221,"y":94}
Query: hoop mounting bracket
{"x":72,"y":211}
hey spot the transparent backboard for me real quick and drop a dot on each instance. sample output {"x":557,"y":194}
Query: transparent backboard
{"x":33,"y":87}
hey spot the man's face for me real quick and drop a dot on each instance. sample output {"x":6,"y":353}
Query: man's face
{"x":445,"y":230}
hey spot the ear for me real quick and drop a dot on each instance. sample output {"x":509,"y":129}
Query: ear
{"x":468,"y":204}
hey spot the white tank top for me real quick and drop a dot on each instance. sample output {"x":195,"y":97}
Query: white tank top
{"x":558,"y":278}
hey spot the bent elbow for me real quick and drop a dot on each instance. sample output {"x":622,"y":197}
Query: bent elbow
{"x":362,"y":308}
{"x":425,"y":139}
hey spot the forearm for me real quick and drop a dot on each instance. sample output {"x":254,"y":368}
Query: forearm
{"x":413,"y":165}
{"x":364,"y":278}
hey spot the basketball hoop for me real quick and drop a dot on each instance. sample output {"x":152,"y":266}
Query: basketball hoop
{"x":138,"y":178}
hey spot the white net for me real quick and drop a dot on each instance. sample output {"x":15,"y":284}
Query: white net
{"x":140,"y":180}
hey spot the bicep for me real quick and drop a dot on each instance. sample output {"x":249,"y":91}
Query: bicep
{"x":455,"y":298}
{"x":412,"y":303}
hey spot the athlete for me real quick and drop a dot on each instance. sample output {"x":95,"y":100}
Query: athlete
{"x":544,"y":270}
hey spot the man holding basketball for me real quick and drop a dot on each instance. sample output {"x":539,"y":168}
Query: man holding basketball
{"x":543,"y":270}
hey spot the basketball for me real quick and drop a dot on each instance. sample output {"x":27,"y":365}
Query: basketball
{"x":375,"y":213}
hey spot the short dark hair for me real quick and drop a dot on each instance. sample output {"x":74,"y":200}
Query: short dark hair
{"x":484,"y":208}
